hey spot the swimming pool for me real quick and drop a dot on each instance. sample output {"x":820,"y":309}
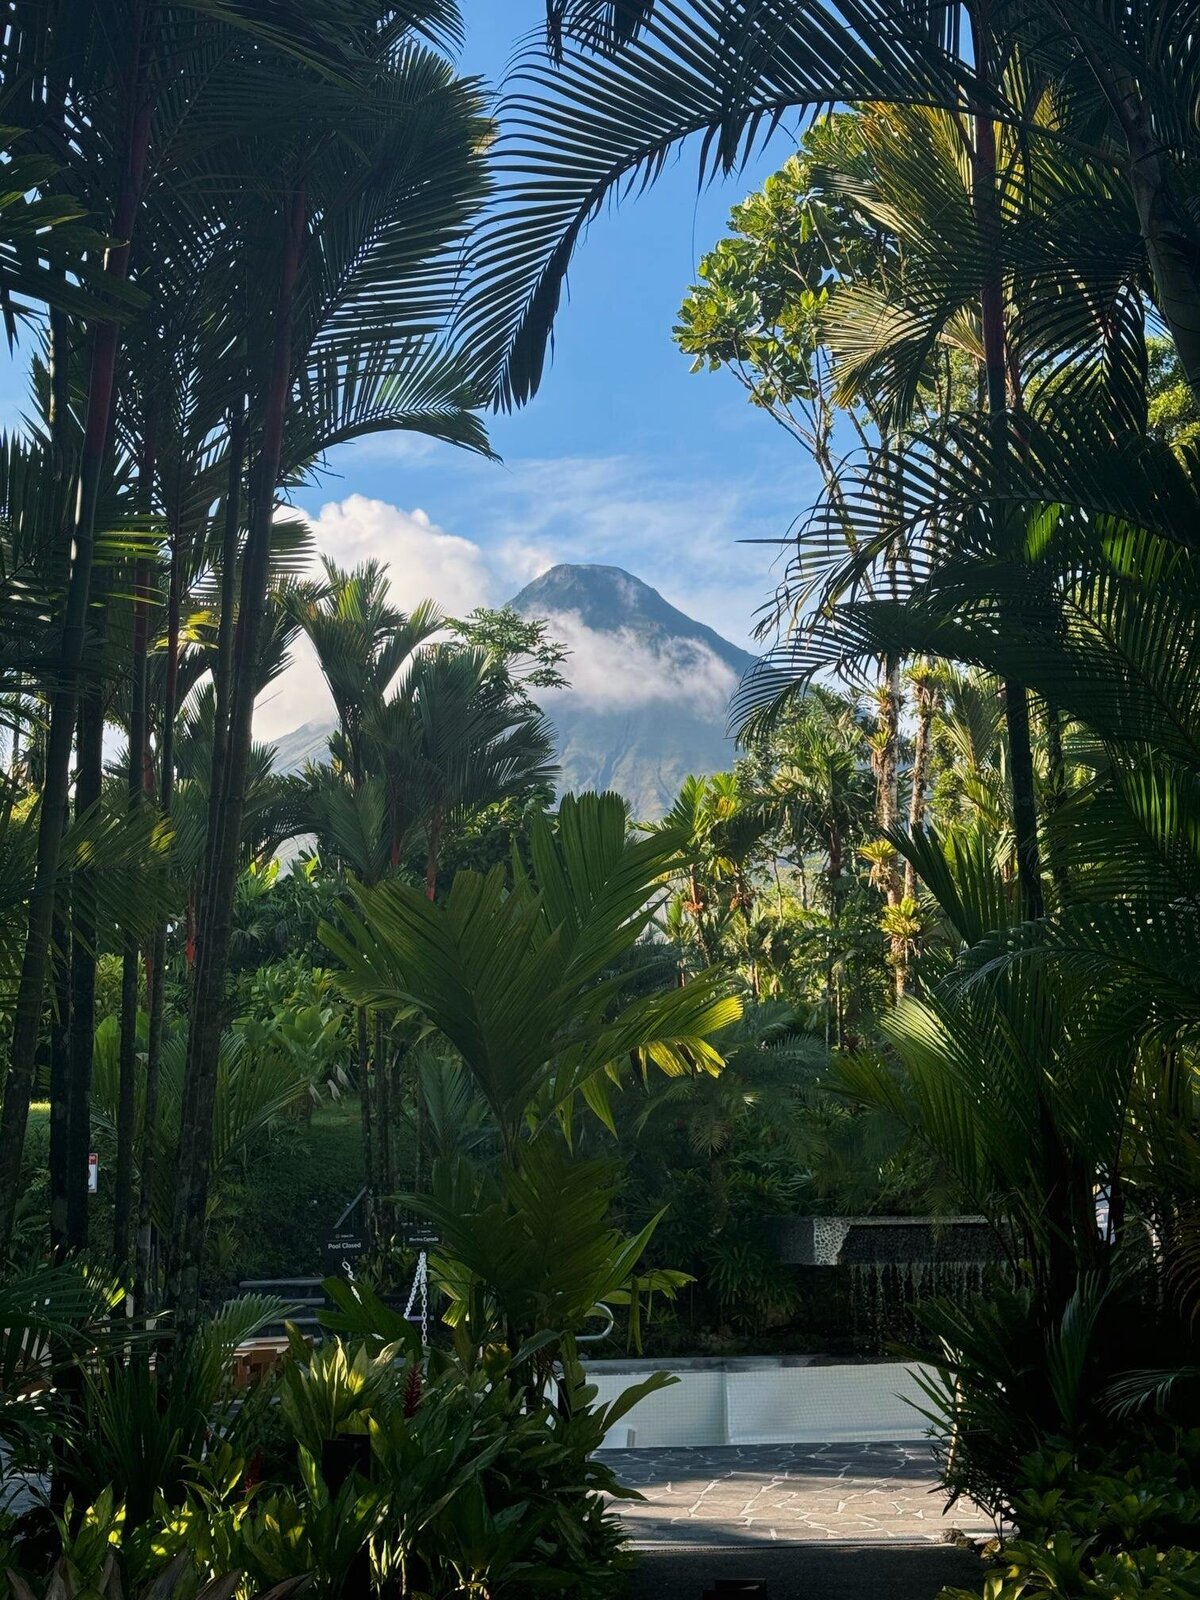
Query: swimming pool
{"x":765,"y":1400}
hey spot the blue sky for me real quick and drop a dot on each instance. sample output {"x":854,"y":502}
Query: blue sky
{"x":623,"y":457}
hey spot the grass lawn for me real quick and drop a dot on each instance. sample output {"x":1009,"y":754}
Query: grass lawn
{"x":273,"y":1208}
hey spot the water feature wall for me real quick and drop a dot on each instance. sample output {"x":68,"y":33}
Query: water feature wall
{"x":892,"y":1263}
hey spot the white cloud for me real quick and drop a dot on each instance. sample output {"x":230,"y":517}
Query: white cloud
{"x":422,"y":559}
{"x":423,"y":562}
{"x":681,"y":531}
{"x":620,"y":672}
{"x":522,"y":562}
{"x":678,"y":533}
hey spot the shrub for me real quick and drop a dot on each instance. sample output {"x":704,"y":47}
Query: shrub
{"x":1100,"y":1526}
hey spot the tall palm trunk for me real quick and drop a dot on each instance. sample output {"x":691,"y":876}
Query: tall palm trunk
{"x":60,"y":1080}
{"x":1056,"y":798}
{"x":987,"y":210}
{"x":223,"y":675}
{"x":226,"y":809}
{"x":1057,"y":1263}
{"x":88,"y":781}
{"x":31,"y":988}
{"x":1171,"y":237}
{"x":131,"y":955}
{"x":925,"y":695}
{"x":887,"y":803}
{"x":60,"y":936}
{"x":383,"y":1126}
{"x":145,"y":1284}
{"x":364,"y":1104}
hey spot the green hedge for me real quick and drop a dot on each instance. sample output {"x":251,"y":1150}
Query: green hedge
{"x":273,"y":1217}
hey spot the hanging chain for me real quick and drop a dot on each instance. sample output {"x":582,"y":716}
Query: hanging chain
{"x":420,"y":1285}
{"x":424,"y":1301}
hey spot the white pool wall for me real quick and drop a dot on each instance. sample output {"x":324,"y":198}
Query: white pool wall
{"x":766,"y":1403}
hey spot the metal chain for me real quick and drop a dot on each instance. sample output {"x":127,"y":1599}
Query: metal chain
{"x":424,"y":1301}
{"x":420,"y":1285}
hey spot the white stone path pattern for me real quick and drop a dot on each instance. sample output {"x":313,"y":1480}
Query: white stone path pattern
{"x":735,"y":1494}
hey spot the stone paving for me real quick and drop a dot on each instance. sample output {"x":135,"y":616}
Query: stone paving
{"x":796,"y":1493}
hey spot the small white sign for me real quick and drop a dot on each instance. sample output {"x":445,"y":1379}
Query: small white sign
{"x":93,"y":1173}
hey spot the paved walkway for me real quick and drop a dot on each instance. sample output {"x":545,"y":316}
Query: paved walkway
{"x":731,"y":1495}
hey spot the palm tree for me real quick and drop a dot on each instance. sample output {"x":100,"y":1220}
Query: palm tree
{"x":453,"y":739}
{"x":674,"y":63}
{"x":898,"y":325}
{"x":96,"y":88}
{"x":369,"y":194}
{"x":631,"y":82}
{"x":724,"y":828}
{"x":520,"y":980}
{"x":362,"y":644}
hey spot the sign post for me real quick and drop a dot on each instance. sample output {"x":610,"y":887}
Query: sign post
{"x":342,"y":1251}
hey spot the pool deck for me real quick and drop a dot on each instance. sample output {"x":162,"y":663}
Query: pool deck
{"x":773,"y":1494}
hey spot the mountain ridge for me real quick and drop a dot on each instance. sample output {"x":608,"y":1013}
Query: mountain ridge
{"x":650,"y":685}
{"x":613,"y":597}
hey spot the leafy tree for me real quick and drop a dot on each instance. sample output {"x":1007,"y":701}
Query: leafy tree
{"x":1173,"y":412}
{"x":520,"y":645}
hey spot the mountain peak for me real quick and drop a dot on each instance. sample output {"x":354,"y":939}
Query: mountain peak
{"x":649,"y":691}
{"x":608,"y":599}
{"x":650,"y":686}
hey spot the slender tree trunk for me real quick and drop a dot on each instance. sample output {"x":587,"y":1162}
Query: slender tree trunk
{"x":431,"y":858}
{"x":31,"y":988}
{"x":383,"y":1127}
{"x":832,"y":982}
{"x":1016,"y":697}
{"x":420,"y":1124}
{"x":1172,"y":244}
{"x":131,"y":955}
{"x":126,"y":1110}
{"x":66,"y":469}
{"x":1057,"y":796}
{"x":926,"y":697}
{"x":364,"y":1104}
{"x":145,"y":1283}
{"x":226,"y":811}
{"x":1020,"y":755}
{"x":1057,"y":1258}
{"x":887,"y":804}
{"x":223,"y":675}
{"x":88,"y":781}
{"x":60,"y":1084}
{"x":14,"y":748}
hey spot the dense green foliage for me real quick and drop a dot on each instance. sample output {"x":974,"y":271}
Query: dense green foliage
{"x":932,"y":946}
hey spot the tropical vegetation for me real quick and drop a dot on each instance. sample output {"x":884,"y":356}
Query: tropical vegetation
{"x":929,"y":948}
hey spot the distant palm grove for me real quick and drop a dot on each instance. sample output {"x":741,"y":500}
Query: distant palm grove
{"x":488,"y":1066}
